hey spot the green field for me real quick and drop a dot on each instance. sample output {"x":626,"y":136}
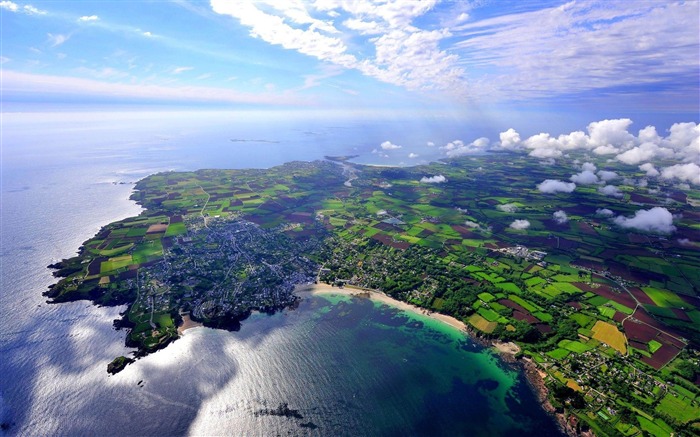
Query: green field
{"x":558,"y":354}
{"x":418,"y":242}
{"x":665,"y":298}
{"x":575,"y":346}
{"x":678,"y":408}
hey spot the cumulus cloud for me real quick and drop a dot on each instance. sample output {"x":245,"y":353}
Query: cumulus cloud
{"x":607,"y":176}
{"x":650,"y":170}
{"x":610,"y":190}
{"x":560,"y":217}
{"x":543,"y":146}
{"x":604,"y":212}
{"x":656,"y":219}
{"x":586,"y":177}
{"x":520,"y":224}
{"x":683,"y":172}
{"x":437,"y":179}
{"x":507,"y":207}
{"x":510,"y":140}
{"x":612,"y":137}
{"x":556,"y":186}
{"x":388,"y":145}
{"x":457,"y":148}
{"x":430,"y":144}
{"x":413,"y":155}
{"x":89,"y":18}
{"x":604,"y":137}
{"x":684,"y":138}
{"x":644,"y":152}
{"x":608,"y":133}
{"x":471,"y":224}
{"x":588,"y":166}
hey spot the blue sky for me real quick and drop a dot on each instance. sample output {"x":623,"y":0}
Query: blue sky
{"x":583,"y":59}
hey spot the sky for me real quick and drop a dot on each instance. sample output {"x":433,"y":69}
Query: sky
{"x":569,"y":61}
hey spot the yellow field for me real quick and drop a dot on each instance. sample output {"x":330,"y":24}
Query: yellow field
{"x":482,"y":324}
{"x":610,"y":335}
{"x":573,"y":385}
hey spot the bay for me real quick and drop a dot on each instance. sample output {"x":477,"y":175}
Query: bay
{"x":65,"y":175}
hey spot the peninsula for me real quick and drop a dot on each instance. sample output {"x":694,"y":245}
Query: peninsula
{"x":607,"y":313}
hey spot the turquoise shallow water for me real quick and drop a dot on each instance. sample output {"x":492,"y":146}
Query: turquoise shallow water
{"x":351,"y":366}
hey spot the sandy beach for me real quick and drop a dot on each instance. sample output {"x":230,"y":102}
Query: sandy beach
{"x":380,"y":297}
{"x":187,"y":323}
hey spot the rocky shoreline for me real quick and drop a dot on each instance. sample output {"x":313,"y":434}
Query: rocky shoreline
{"x":534,"y":378}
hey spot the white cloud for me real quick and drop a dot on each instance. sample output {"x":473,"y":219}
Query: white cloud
{"x":588,"y":166}
{"x":364,"y":27}
{"x":57,"y":40}
{"x":556,"y":186}
{"x":413,"y":155}
{"x":586,"y":177}
{"x":607,"y":176}
{"x":610,"y":190}
{"x":520,"y":224}
{"x":388,"y":145}
{"x":610,"y":133}
{"x":649,"y":135}
{"x":656,"y":219}
{"x":604,"y":212}
{"x":86,"y":18}
{"x":10,"y":6}
{"x":605,"y":150}
{"x":574,"y":47}
{"x":560,"y":217}
{"x":26,"y":9}
{"x":684,"y":172}
{"x":437,"y":179}
{"x":508,"y":207}
{"x":178,"y":70}
{"x":457,"y":148}
{"x":543,"y":146}
{"x":611,"y":137}
{"x":31,"y":10}
{"x":399,"y":47}
{"x":430,"y":144}
{"x":644,"y":152}
{"x":510,"y":140}
{"x":683,"y":135}
{"x":275,"y":30}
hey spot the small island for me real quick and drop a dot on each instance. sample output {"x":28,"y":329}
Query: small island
{"x":605,"y":318}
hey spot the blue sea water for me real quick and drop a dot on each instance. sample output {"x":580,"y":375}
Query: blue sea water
{"x":349,"y":367}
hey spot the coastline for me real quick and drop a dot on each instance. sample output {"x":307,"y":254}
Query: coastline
{"x":187,"y":323}
{"x":383,"y":298}
{"x":507,"y":351}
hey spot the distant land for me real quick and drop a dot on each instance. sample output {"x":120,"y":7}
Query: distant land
{"x":597,"y":284}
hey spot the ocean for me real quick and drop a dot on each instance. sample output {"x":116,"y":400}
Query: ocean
{"x":340,"y":365}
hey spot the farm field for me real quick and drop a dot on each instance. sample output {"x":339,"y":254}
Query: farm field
{"x":610,"y":315}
